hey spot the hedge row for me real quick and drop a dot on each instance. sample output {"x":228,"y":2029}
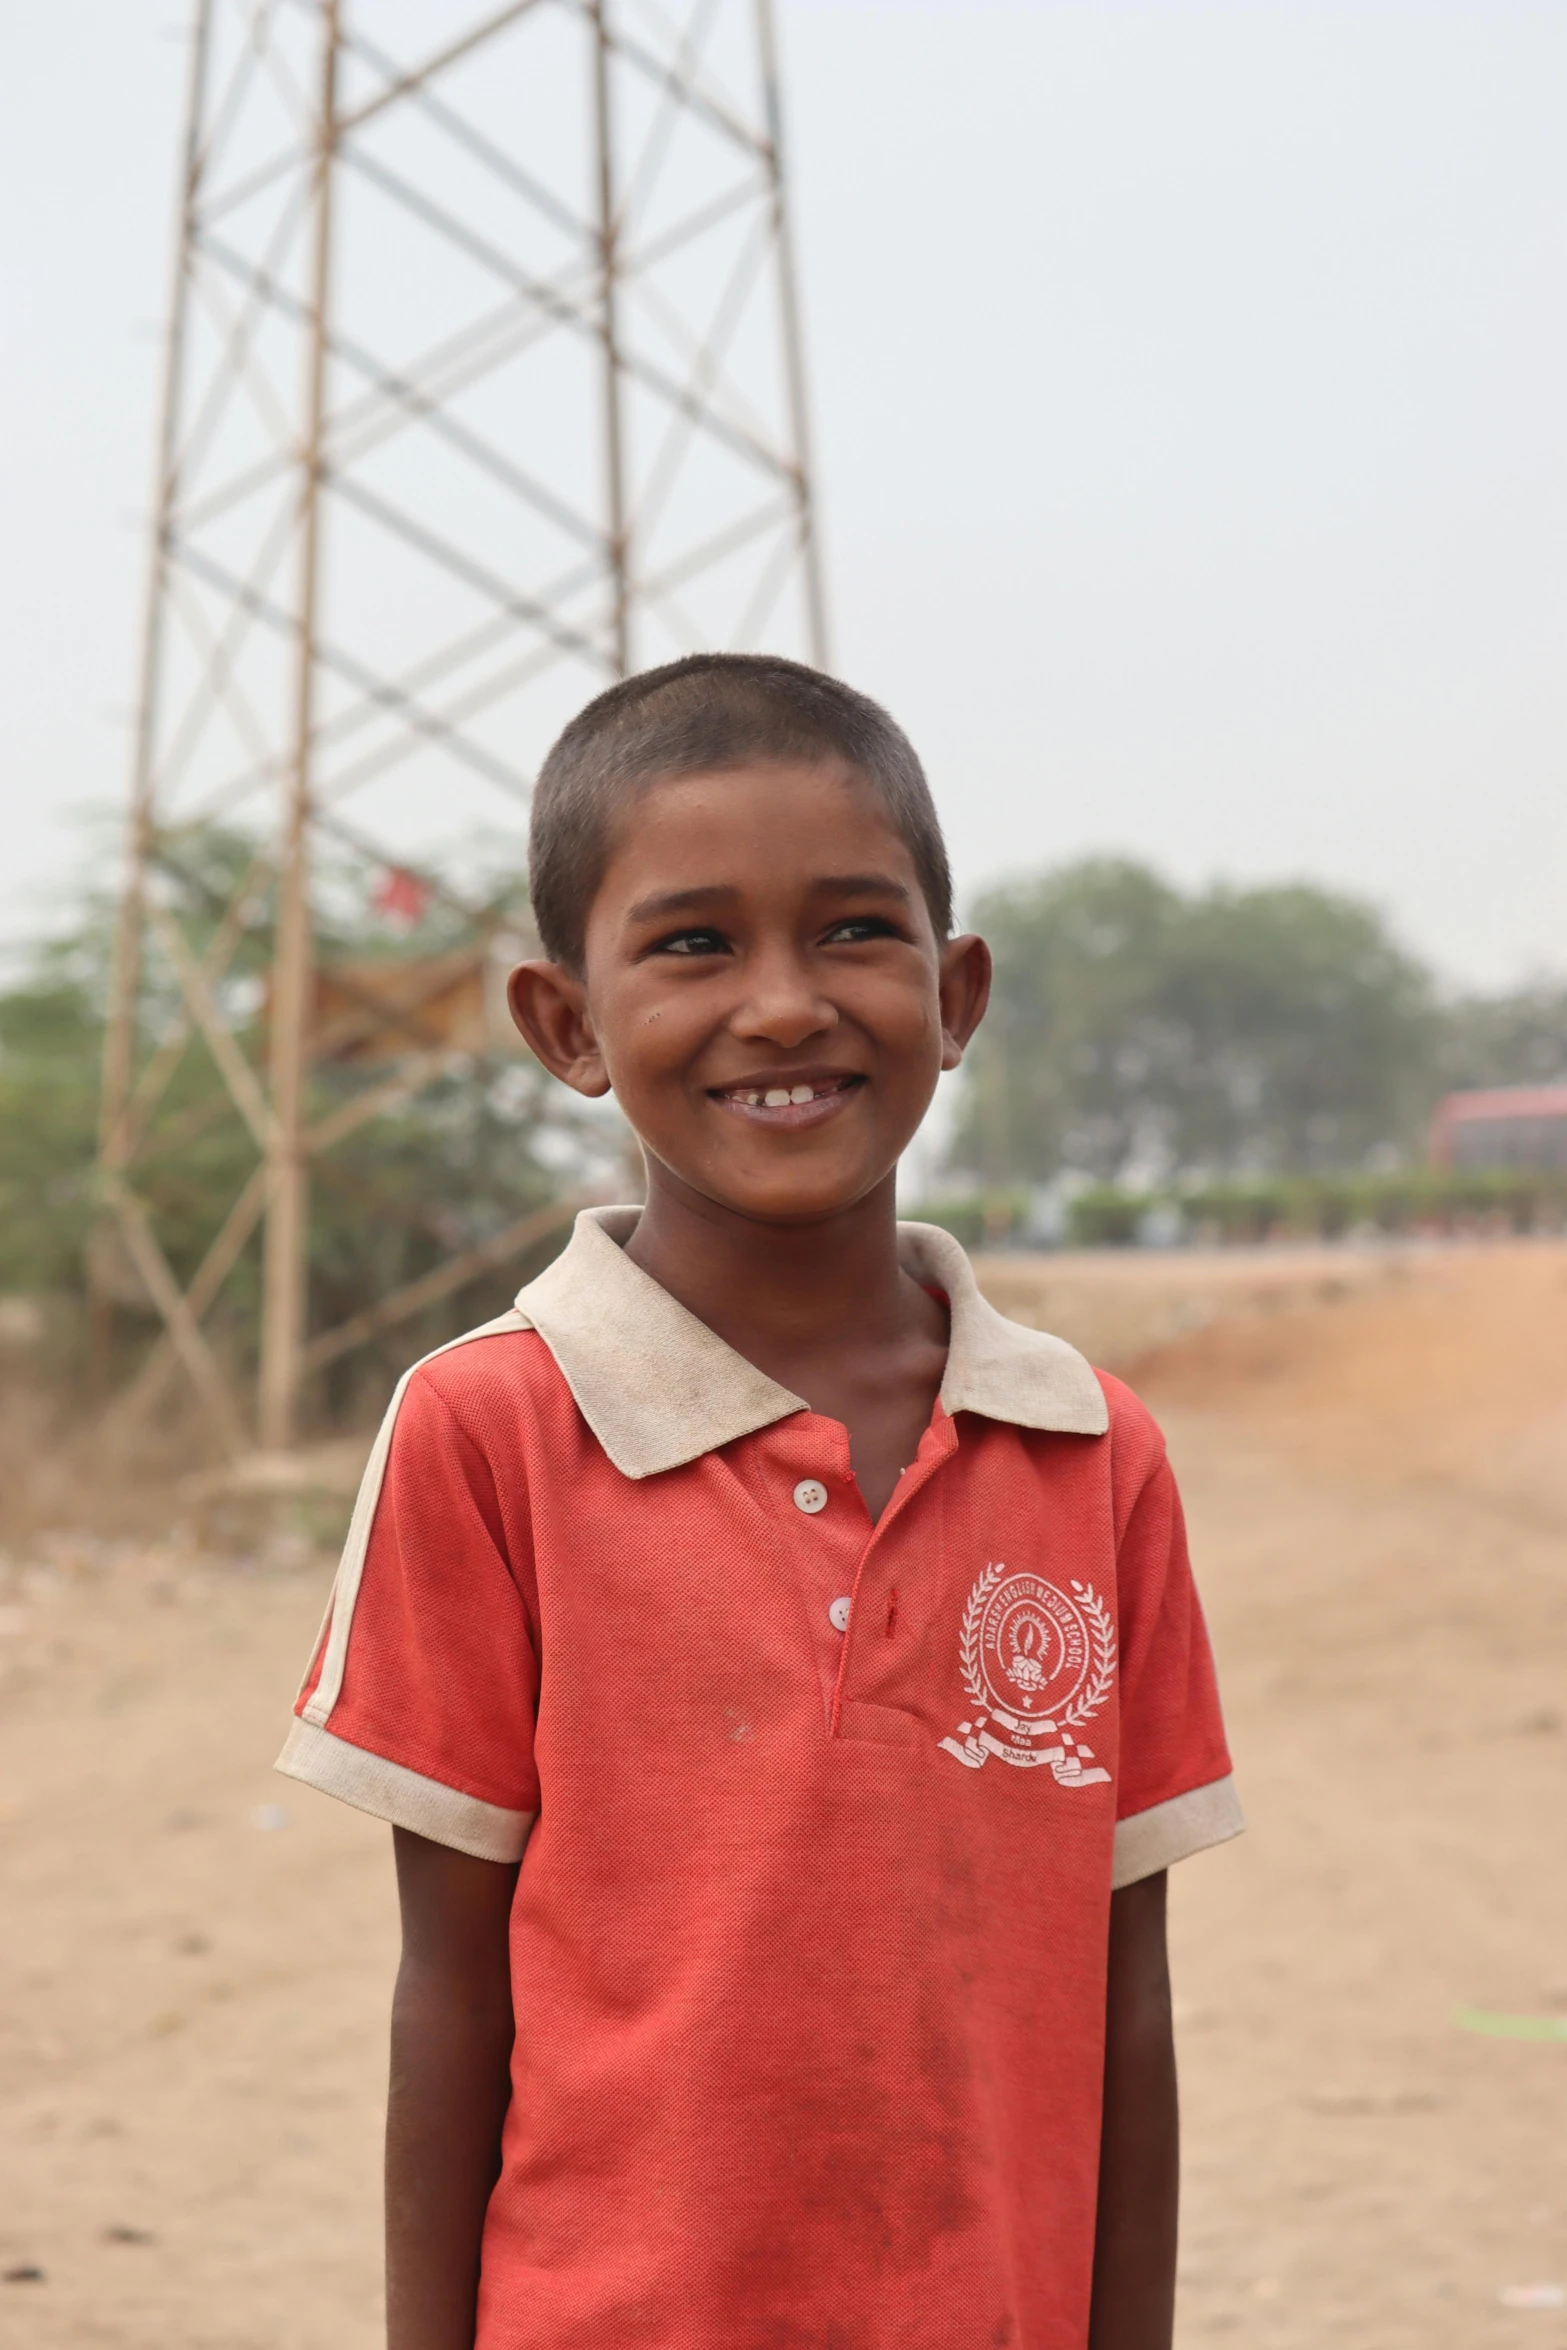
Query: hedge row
{"x":1421,"y":1201}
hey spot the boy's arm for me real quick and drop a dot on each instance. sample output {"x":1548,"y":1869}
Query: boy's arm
{"x":1139,"y":2163}
{"x":450,"y":2082}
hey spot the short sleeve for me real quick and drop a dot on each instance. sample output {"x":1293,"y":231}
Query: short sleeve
{"x":420,"y":1700}
{"x":1176,"y":1794}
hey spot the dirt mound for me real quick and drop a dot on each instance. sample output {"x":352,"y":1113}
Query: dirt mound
{"x":1118,"y":1304}
{"x":1447,"y":1366}
{"x":1450,"y":1371}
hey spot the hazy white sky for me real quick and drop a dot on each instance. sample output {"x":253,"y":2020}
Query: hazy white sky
{"x":1191,"y":392}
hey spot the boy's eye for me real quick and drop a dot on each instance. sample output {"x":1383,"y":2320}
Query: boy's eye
{"x":692,"y":942}
{"x":860,"y":927}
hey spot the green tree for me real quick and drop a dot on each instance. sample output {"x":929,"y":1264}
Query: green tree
{"x":1139,"y":1031}
{"x":1302,"y":1037}
{"x":49,"y":1039}
{"x":458,"y":1162}
{"x":1061,"y":1073}
{"x":1515,"y":1039}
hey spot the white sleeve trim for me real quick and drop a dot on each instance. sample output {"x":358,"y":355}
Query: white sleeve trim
{"x":1167,"y":1832}
{"x":409,"y":1800}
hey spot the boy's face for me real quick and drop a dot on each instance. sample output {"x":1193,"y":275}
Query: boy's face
{"x":762,"y":988}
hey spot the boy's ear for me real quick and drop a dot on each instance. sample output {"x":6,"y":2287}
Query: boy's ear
{"x":965,"y":991}
{"x":550,"y":1009}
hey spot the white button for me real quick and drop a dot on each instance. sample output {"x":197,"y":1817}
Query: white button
{"x":838,"y":1615}
{"x":810,"y":1495}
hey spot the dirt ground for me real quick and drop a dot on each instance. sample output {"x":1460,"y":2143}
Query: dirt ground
{"x":196,"y":1955}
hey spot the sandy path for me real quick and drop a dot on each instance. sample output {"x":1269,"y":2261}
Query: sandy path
{"x":1378,"y":1496}
{"x":192,"y":2005}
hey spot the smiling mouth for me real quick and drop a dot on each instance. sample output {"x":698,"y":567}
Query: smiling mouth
{"x":803,"y":1104}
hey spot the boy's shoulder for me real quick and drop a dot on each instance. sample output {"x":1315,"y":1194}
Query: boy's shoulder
{"x":501,"y":1363}
{"x":1134,"y":1449}
{"x":481,"y":1380}
{"x":593,"y":1335}
{"x":509,"y":1358}
{"x":1133,"y":1428}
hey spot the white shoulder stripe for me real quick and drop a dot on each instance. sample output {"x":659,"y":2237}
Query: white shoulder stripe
{"x":345,"y":1588}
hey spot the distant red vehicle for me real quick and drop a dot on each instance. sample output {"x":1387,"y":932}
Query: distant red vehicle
{"x":1502,"y":1126}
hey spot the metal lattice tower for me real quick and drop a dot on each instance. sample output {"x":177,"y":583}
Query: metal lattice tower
{"x":483,"y":388}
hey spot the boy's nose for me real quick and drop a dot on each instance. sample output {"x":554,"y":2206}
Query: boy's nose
{"x":782,"y":1006}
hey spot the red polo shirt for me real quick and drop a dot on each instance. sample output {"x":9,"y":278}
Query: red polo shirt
{"x":818,"y":1820}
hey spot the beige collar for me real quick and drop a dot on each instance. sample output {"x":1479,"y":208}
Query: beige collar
{"x":658,"y":1388}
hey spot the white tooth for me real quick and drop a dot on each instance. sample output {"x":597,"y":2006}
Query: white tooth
{"x":776,"y":1098}
{"x":801,"y":1093}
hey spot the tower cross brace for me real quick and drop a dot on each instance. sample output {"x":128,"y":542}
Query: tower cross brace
{"x":483,"y":387}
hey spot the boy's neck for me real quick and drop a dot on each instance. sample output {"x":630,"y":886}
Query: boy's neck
{"x":780,"y":1293}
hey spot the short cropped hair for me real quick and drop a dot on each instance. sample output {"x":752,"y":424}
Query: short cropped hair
{"x":708,"y":711}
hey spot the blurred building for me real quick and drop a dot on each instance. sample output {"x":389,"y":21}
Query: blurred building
{"x":1502,"y":1126}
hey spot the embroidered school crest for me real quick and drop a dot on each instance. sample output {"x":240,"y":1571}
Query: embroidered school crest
{"x":1038,"y":1663}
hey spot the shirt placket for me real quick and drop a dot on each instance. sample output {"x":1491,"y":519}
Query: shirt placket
{"x":814,"y":1492}
{"x":937,"y":1446}
{"x":839,"y":1549}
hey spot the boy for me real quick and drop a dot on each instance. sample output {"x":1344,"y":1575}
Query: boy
{"x":769,"y":1659}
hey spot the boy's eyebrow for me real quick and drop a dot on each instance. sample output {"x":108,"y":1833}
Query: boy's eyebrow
{"x":864,"y":885}
{"x":841,"y":885}
{"x":678,"y":901}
